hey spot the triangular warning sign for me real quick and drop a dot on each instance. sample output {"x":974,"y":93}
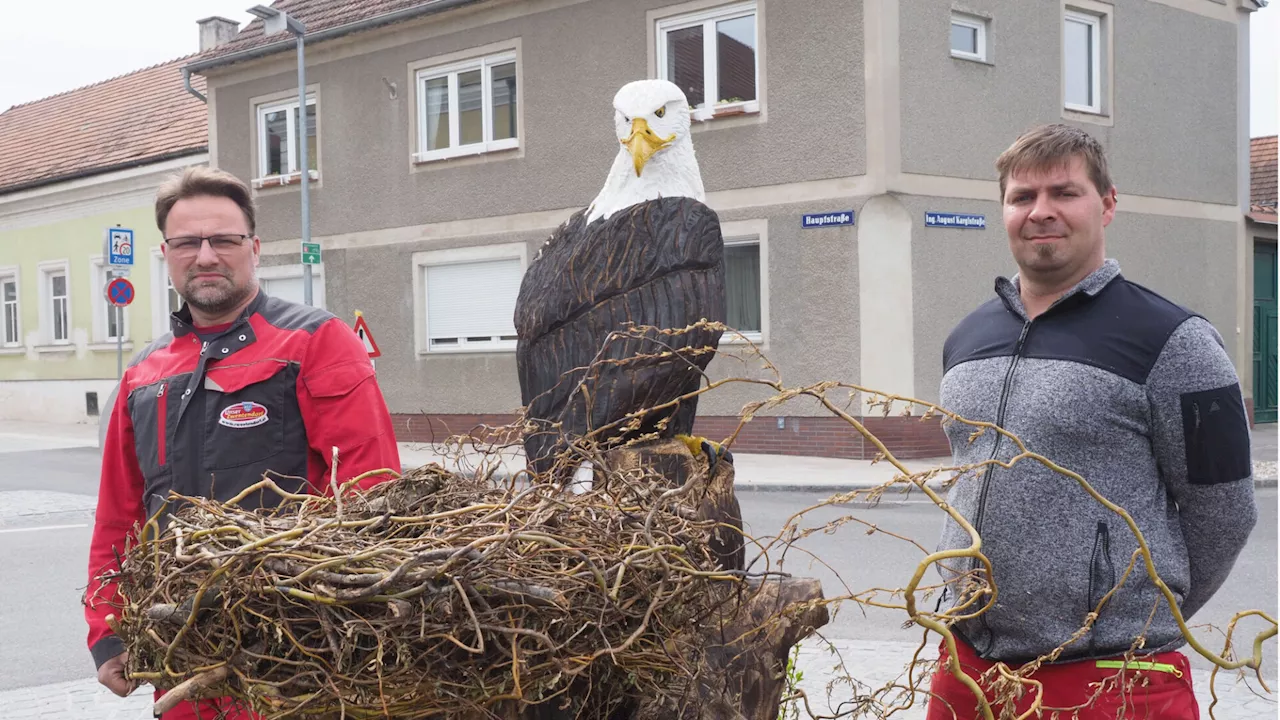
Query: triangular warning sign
{"x":362,"y":330}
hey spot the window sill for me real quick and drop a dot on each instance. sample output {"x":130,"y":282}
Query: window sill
{"x":13,"y":350}
{"x":280,"y":181}
{"x":730,"y":338}
{"x":58,"y":348}
{"x":110,"y":345}
{"x":975,"y":60}
{"x":1088,"y":116}
{"x":465,"y":158}
{"x":727,"y":117}
{"x":467,"y":351}
{"x":726,"y":110}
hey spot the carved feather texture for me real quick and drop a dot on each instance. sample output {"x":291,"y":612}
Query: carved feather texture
{"x":658,"y":263}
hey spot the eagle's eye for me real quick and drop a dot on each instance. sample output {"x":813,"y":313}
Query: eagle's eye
{"x":660,"y":112}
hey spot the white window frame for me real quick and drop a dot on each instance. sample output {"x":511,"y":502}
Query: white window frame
{"x":47,"y":270}
{"x":98,"y":301}
{"x":1096,"y":39}
{"x":710,"y":68}
{"x":434,"y":258}
{"x":291,"y":157}
{"x":10,"y":273}
{"x":485,"y":65}
{"x":159,"y":294}
{"x":288,"y":272}
{"x":975,"y":23}
{"x":751,"y":232}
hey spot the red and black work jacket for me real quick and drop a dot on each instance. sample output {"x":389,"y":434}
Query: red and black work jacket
{"x":208,"y":413}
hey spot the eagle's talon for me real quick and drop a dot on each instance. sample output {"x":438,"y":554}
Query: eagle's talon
{"x":714,"y":451}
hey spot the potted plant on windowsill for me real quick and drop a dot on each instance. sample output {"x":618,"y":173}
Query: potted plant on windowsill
{"x":723,"y":111}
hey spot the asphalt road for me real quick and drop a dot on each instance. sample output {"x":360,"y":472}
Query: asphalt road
{"x":855,"y":561}
{"x":43,"y":558}
{"x":43,"y":561}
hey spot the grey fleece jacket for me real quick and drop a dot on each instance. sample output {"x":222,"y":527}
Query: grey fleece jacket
{"x":1138,"y":396}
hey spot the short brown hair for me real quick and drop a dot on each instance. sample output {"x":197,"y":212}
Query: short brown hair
{"x":200,"y":180}
{"x":1049,"y":146}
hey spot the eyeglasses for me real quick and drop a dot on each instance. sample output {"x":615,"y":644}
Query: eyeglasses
{"x":221,"y":244}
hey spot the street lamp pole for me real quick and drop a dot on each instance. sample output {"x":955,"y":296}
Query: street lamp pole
{"x":275,"y":21}
{"x":306,"y":167}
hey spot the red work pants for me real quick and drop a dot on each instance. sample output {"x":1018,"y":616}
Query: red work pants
{"x":212,"y":709}
{"x":1163,"y":691}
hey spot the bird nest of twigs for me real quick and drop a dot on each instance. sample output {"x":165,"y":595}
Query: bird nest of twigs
{"x":426,"y":595}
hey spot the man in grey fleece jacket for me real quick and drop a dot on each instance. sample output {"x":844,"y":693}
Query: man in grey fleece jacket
{"x":1113,"y":382}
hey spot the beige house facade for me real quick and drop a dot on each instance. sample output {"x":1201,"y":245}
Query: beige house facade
{"x":848,"y":149}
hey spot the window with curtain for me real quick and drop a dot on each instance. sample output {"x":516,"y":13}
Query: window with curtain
{"x":1082,"y":61}
{"x":467,"y":108}
{"x":742,"y":287}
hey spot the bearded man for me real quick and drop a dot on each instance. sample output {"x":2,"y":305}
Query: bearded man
{"x":243,"y":385}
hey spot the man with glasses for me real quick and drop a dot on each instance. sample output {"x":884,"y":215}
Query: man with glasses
{"x":245,"y":385}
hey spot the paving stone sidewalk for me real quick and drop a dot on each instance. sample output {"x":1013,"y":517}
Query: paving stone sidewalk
{"x":873,"y":664}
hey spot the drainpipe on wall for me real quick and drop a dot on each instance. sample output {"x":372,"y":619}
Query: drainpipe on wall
{"x":186,"y":82}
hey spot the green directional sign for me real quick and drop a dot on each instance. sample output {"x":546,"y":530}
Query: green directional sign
{"x":310,"y":253}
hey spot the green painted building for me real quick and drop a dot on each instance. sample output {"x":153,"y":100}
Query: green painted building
{"x":73,"y":166}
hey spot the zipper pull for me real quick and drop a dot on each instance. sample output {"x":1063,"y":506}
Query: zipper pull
{"x":1195,"y":411}
{"x":162,"y":387}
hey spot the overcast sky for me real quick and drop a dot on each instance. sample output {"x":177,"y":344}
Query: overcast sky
{"x":59,"y":45}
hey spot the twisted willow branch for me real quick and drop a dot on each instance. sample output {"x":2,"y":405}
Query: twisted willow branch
{"x":878,"y":398}
{"x":516,"y":591}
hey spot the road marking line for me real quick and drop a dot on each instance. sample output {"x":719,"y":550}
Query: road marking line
{"x":44,"y":527}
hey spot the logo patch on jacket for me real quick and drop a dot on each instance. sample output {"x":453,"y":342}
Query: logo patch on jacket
{"x":243,"y":415}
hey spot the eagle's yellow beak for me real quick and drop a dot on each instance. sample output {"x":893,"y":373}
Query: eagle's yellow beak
{"x":643,"y":143}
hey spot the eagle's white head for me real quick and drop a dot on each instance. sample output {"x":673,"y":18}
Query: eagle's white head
{"x":651,"y":118}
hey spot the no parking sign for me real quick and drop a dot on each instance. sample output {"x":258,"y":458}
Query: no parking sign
{"x":120,"y":292}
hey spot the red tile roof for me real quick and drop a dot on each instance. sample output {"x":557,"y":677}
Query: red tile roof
{"x":1262,"y":174}
{"x":327,"y":17}
{"x":1262,"y":179}
{"x":144,"y":116}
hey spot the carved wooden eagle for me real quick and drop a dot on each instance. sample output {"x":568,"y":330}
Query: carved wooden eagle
{"x":647,"y":251}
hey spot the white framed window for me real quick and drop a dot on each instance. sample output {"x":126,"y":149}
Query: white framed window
{"x":279,"y":156}
{"x":468,"y":108}
{"x":55,"y":302}
{"x":10,"y":308}
{"x":968,"y":37}
{"x":287,"y":283}
{"x":108,"y":322}
{"x":714,"y":57}
{"x":452,"y":315}
{"x":165,"y":300}
{"x":744,"y":301}
{"x":1082,"y":61}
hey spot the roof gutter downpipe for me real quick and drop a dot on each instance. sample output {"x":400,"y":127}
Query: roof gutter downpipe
{"x":186,"y":82}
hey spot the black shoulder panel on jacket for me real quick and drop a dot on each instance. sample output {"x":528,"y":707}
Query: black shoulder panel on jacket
{"x":288,"y":315}
{"x":990,"y":331}
{"x":1122,"y":330}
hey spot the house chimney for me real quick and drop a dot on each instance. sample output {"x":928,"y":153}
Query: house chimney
{"x":215,"y":31}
